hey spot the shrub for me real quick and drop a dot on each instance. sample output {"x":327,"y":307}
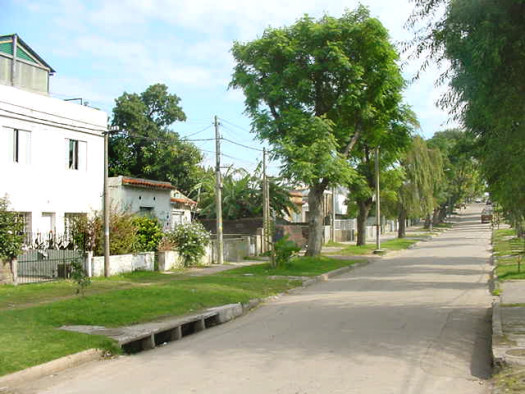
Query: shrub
{"x":284,"y":250}
{"x":79,"y":275}
{"x":190,"y":240}
{"x":11,"y":232}
{"x":148,"y":234}
{"x":89,"y":232}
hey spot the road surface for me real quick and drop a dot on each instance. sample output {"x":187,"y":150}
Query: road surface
{"x":415,"y":322}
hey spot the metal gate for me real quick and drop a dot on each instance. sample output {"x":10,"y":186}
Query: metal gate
{"x":45,"y":265}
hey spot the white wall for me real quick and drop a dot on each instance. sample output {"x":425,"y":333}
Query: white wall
{"x":44,"y":183}
{"x":124,"y":263}
{"x":130,"y":198}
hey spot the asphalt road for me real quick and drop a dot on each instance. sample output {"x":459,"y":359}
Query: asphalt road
{"x":415,"y":322}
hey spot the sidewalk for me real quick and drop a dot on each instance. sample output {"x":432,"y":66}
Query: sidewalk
{"x":508,"y":325}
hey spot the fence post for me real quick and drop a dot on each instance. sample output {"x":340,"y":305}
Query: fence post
{"x":14,"y":271}
{"x":88,"y":263}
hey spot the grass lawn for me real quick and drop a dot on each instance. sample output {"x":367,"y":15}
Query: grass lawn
{"x":302,"y":266}
{"x":508,"y":249}
{"x":391,"y":244}
{"x":31,"y":314}
{"x":510,"y":379}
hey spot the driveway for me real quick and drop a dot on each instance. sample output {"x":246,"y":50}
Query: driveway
{"x":416,"y":322}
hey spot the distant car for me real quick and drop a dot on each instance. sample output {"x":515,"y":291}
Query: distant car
{"x":477,"y":200}
{"x":486,"y":215}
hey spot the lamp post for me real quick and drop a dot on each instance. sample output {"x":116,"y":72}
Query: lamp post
{"x":378,"y":249}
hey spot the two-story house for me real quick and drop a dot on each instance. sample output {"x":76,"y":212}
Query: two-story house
{"x":51,"y":151}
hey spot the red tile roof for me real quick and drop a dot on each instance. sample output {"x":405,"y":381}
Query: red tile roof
{"x":147,"y":183}
{"x":187,"y":201}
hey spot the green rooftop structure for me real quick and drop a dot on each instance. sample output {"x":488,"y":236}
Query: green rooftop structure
{"x":22,"y":67}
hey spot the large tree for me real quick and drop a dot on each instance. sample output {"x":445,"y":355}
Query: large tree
{"x":313,"y":91}
{"x":419,"y":192}
{"x":392,"y":140}
{"x":484,"y":42}
{"x":462,"y":178}
{"x":145,"y":146}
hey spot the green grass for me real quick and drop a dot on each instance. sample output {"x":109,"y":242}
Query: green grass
{"x":508,"y":249}
{"x":390,"y":245}
{"x":31,"y":314}
{"x":444,"y":225}
{"x":510,"y":379}
{"x":302,"y":266}
{"x":334,"y":244}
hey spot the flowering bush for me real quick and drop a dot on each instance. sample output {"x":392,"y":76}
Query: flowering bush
{"x":190,"y":240}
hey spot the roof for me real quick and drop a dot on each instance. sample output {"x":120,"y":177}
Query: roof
{"x":178,"y":197}
{"x":26,"y":48}
{"x":147,"y":183}
{"x":185,"y":201}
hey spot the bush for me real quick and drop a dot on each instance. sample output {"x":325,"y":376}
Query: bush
{"x":89,"y":232}
{"x":190,"y":240}
{"x":148,"y":233}
{"x":79,"y":275}
{"x":11,"y":232}
{"x":284,"y":250}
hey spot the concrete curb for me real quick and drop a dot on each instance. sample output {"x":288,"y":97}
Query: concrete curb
{"x":39,"y":371}
{"x":49,"y":368}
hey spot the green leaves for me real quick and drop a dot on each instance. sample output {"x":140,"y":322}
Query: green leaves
{"x":11,"y":228}
{"x":145,"y":147}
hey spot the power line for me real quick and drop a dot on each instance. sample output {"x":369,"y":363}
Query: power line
{"x":234,"y":125}
{"x":45,"y":113}
{"x":52,"y":122}
{"x":198,"y":132}
{"x":244,"y":146}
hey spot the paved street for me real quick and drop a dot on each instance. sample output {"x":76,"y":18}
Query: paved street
{"x":415,"y":322}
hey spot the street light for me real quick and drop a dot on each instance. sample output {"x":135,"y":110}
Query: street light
{"x":378,"y":249}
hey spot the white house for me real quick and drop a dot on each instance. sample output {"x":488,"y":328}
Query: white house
{"x":300,"y":198}
{"x":181,"y":208}
{"x":141,"y":196}
{"x":148,"y":197}
{"x":51,"y":151}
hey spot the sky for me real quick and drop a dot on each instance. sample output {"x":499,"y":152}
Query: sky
{"x":102,"y":48}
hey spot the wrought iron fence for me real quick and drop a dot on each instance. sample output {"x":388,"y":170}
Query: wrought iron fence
{"x":47,"y":264}
{"x":47,"y":256}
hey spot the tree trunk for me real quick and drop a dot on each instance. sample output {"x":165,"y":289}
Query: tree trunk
{"x":436,"y":217}
{"x":428,"y":222}
{"x":402,"y":221}
{"x":364,"y":208}
{"x":316,"y":230}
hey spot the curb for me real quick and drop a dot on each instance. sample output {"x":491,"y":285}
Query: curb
{"x":73,"y":360}
{"x":49,"y":368}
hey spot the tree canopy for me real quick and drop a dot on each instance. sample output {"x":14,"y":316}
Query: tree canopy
{"x":484,"y":41}
{"x":145,"y":146}
{"x":313,"y":90}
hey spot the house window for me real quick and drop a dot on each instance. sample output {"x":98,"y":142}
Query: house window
{"x":20,"y":146}
{"x":76,"y":154}
{"x":73,"y":154}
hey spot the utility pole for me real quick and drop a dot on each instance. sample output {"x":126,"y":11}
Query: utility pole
{"x":378,"y":206}
{"x":106,"y":205}
{"x":334,"y":201}
{"x":218,"y":196}
{"x":266,"y":207}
